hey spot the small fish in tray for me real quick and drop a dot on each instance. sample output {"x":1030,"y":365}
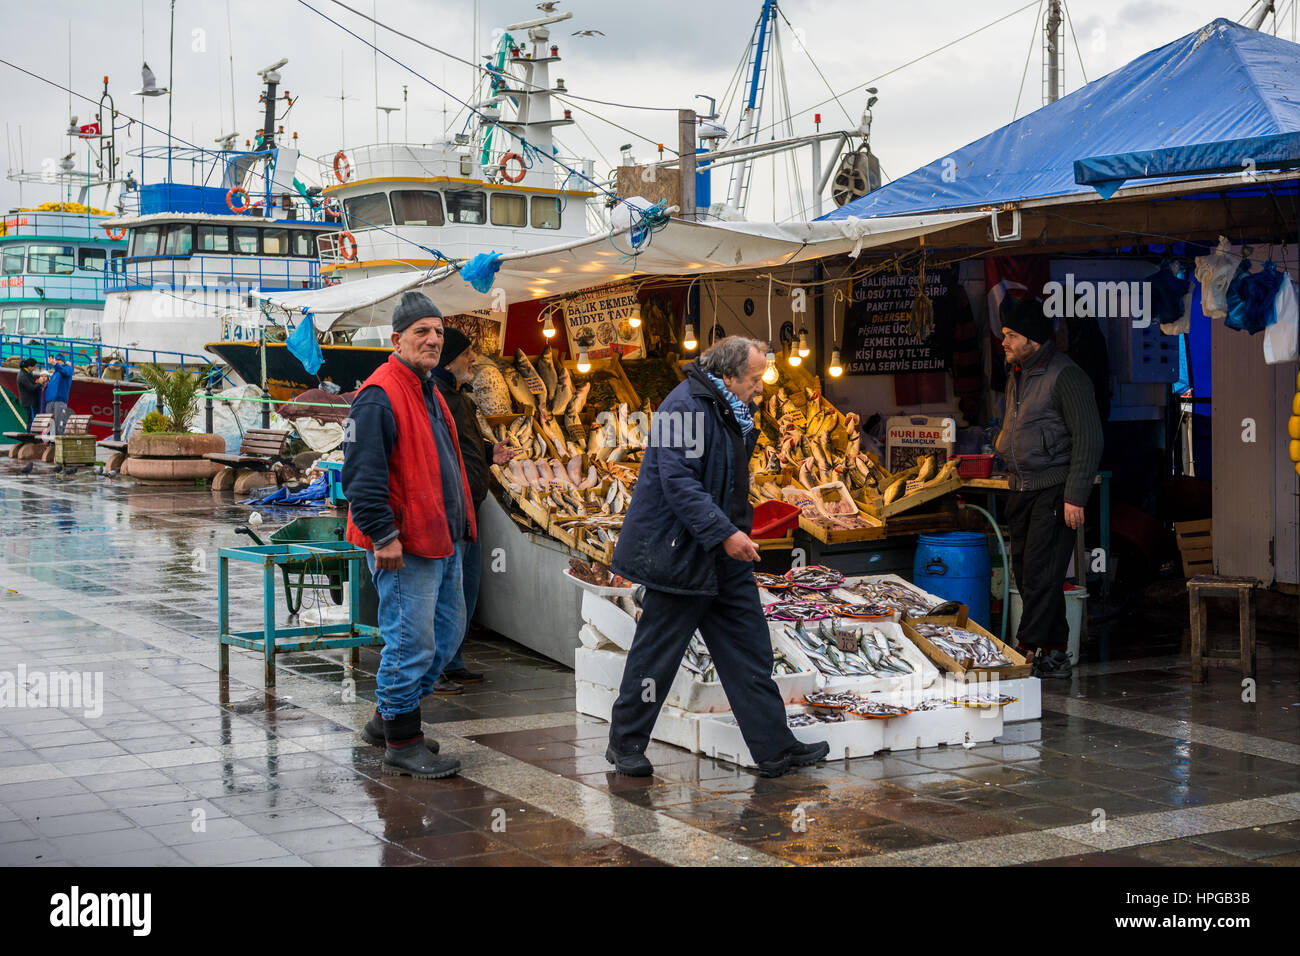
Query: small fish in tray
{"x":935,"y":703}
{"x":833,"y":701}
{"x":810,"y":595}
{"x":801,"y":720}
{"x":891,"y":594}
{"x":815,"y":576}
{"x":866,"y":612}
{"x":963,"y":645}
{"x":794,"y":611}
{"x":772,"y":582}
{"x":986,"y":700}
{"x":874,"y":710}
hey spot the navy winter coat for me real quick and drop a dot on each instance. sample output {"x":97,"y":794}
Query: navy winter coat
{"x":685,"y":505}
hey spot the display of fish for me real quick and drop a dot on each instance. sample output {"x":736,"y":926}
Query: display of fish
{"x":563,"y":394}
{"x":963,"y":645}
{"x":519,"y":391}
{"x":926,"y":468}
{"x":546,"y":370}
{"x":489,"y":388}
{"x":573,"y":426}
{"x":532,"y":381}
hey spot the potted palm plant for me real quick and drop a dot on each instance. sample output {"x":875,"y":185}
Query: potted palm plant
{"x":165,"y":450}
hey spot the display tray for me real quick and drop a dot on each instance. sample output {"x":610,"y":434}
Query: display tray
{"x":1019,"y":667}
{"x":602,"y":590}
{"x":875,"y":504}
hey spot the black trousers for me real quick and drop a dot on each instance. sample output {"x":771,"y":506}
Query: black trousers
{"x":735,"y":632}
{"x":1041,"y":545}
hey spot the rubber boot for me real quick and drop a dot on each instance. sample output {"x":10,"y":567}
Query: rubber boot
{"x":373,"y":734}
{"x":405,"y":753}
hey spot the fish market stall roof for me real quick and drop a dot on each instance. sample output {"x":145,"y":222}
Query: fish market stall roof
{"x":679,"y":248}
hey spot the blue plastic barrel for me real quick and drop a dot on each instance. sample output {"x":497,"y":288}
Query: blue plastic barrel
{"x":956,"y":567}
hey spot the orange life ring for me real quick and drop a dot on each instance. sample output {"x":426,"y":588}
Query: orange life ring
{"x":115,"y":233}
{"x":502,"y":168}
{"x":348,"y":252}
{"x":230,"y":199}
{"x":342,"y":168}
{"x":330,"y":210}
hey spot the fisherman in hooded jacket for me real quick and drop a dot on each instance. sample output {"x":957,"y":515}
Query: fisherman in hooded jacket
{"x":686,"y":538}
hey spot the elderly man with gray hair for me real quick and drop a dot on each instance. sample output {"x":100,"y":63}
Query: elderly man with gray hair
{"x":686,"y":538}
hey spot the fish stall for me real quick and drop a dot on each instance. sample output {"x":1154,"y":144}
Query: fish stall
{"x":866,"y":663}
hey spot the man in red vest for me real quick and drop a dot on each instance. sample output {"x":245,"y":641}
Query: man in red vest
{"x":409,"y":506}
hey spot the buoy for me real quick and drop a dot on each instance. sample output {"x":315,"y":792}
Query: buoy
{"x":1294,"y":449}
{"x":1293,"y":426}
{"x":347,"y":245}
{"x":115,"y":233}
{"x":342,"y":168}
{"x":230,"y":199}
{"x":507,"y":176}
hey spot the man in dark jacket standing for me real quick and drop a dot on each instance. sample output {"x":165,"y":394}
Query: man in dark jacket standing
{"x":409,"y":506}
{"x":686,"y":538}
{"x":454,"y":371}
{"x":29,"y":388}
{"x":1051,"y":441}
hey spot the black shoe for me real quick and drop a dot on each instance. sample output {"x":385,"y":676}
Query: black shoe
{"x":776,"y":767}
{"x":630,"y":765}
{"x":803,"y":755}
{"x":405,"y":753}
{"x":373,"y":734}
{"x":462,"y":675}
{"x":445,"y":687}
{"x":1052,"y":665}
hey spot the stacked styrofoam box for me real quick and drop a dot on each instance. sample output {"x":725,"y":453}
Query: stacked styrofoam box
{"x":598,"y":674}
{"x":947,"y":725}
{"x":853,"y":737}
{"x":1028,"y":692}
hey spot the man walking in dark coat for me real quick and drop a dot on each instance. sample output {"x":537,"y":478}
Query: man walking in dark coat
{"x":1051,"y":441}
{"x":686,"y":538}
{"x":452,"y":376}
{"x":29,"y":388}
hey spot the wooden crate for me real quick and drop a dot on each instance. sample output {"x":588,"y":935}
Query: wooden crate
{"x":1019,"y":667}
{"x":622,"y":386}
{"x":1196,"y":545}
{"x":875,"y":503}
{"x":74,"y":449}
{"x":819,"y":531}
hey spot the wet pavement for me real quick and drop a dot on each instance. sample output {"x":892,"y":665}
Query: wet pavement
{"x":1131,"y":764}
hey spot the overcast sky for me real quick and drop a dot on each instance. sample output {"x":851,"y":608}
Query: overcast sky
{"x":652,"y":54}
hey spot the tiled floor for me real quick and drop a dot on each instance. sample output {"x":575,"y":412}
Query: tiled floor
{"x":1131,"y":764}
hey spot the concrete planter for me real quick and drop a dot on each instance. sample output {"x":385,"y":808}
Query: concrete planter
{"x":164,"y":458}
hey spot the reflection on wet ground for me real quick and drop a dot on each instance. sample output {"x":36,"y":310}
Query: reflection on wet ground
{"x":1131,"y":764}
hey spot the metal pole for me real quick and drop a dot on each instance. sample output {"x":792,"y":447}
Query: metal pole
{"x":816,"y":206}
{"x":117,"y":416}
{"x":207,"y":414}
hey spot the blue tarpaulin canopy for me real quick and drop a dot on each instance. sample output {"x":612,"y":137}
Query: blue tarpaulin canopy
{"x":1206,"y":103}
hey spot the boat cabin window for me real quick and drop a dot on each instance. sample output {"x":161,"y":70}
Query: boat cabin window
{"x":275,"y":242}
{"x":29,"y":320}
{"x":52,"y":260}
{"x":92,"y":259}
{"x":119,"y":253}
{"x":509,"y":209}
{"x":417,"y":207}
{"x":300,"y":244}
{"x":467,"y":206}
{"x":180,"y":240}
{"x":144,"y":242}
{"x":9,"y":320}
{"x":363,"y":212}
{"x":214,"y":239}
{"x":546,"y":212}
{"x":246,"y":240}
{"x":54,"y":321}
{"x":13,"y":259}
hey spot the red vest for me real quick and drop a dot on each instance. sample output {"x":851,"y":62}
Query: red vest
{"x":414,"y":472}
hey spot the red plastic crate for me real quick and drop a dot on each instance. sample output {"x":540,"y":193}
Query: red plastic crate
{"x":774,"y":519}
{"x":974,"y":466}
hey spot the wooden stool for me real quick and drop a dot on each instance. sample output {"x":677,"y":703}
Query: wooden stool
{"x":1215,"y":585}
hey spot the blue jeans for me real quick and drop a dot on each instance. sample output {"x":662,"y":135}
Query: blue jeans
{"x":422,"y":621}
{"x":473,"y":573}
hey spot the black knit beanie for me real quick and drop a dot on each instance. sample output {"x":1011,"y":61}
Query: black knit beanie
{"x":1027,"y":318}
{"x":454,"y":342}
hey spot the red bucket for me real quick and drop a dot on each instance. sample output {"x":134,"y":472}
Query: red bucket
{"x":774,"y":519}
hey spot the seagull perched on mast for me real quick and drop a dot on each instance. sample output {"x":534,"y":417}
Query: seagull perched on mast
{"x":587,"y":33}
{"x":547,"y":7}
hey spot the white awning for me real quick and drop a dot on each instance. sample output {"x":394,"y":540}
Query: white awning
{"x":680,"y":248}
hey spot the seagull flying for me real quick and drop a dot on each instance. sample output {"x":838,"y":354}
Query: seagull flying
{"x":547,"y":7}
{"x":150,"y":83}
{"x":587,"y":33}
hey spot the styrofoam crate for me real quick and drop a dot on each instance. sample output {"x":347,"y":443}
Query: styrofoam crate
{"x":600,"y":666}
{"x":673,"y":726}
{"x":1028,"y":692}
{"x":721,"y":739}
{"x":949,"y":725}
{"x":617,"y":626}
{"x":591,"y":638}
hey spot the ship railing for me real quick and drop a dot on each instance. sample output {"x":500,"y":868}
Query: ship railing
{"x":204,"y":271}
{"x":43,"y":287}
{"x":54,"y":226}
{"x":107,"y":361}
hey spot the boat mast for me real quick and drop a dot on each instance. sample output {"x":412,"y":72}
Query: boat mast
{"x":738,"y":192}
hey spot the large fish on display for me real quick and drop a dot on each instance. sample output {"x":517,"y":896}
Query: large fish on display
{"x":520,"y":392}
{"x":572,"y":414}
{"x":531,"y":379}
{"x":489,"y":388}
{"x":546,"y":369}
{"x":563,"y":392}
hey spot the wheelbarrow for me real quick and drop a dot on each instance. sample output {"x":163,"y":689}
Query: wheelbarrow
{"x":300,"y":576}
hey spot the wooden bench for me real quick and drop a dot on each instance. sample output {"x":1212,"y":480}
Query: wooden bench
{"x":1216,"y":585}
{"x":259,"y":452}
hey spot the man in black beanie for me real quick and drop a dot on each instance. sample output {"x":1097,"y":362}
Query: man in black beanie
{"x":1050,"y":442}
{"x":452,"y":376}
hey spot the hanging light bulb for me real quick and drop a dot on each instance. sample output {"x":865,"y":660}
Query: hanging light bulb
{"x":634,"y":318}
{"x":548,"y":327}
{"x":804,"y":349}
{"x":794,"y":359}
{"x":690,"y":344}
{"x":584,"y":363}
{"x":836,"y":369}
{"x":770,"y":374}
